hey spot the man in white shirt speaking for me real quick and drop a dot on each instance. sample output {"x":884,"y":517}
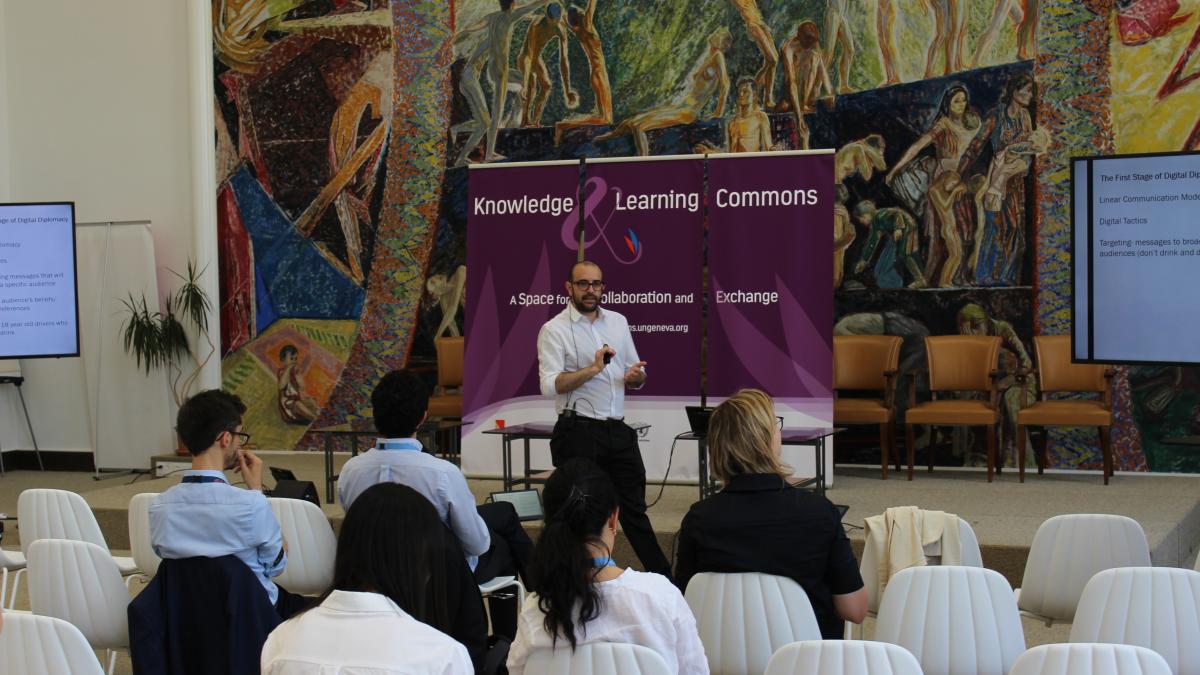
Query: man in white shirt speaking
{"x":586,"y":359}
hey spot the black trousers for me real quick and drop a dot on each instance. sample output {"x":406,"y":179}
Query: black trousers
{"x":613,"y":445}
{"x":507,"y":556}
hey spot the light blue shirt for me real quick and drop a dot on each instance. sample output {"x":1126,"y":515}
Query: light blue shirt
{"x":214,"y":519}
{"x":400,"y":460}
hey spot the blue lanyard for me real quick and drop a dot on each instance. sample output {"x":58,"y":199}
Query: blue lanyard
{"x":603,"y":562}
{"x":411,"y":445}
{"x":203,"y":479}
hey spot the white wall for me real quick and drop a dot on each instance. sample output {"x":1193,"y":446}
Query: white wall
{"x":95,"y":107}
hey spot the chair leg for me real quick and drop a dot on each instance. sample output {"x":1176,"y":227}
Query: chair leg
{"x":932,"y":447}
{"x":895,"y":448}
{"x":1106,"y":452}
{"x":12,"y":596}
{"x":991,"y":450}
{"x":883,"y":448}
{"x":112,"y":660}
{"x":3,"y":586}
{"x":1043,"y":450}
{"x":910,"y":441}
{"x":1021,"y":452}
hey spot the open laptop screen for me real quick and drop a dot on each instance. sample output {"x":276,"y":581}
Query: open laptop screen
{"x":528,"y":503}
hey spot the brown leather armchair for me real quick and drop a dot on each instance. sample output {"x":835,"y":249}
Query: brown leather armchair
{"x":868,"y":363}
{"x":957,"y":363}
{"x":1056,"y":373}
{"x":447,"y":400}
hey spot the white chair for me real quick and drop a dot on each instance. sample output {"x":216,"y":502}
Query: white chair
{"x":600,"y":658}
{"x":1090,"y":659}
{"x":43,"y":513}
{"x":955,"y":620}
{"x":77,"y":581}
{"x":493,"y":587}
{"x":1152,"y":607}
{"x":139,"y":534}
{"x":44,"y":644}
{"x":10,"y":561}
{"x":311,"y":546}
{"x":1066,"y":552}
{"x":846,"y":657}
{"x":743,"y":618}
{"x":969,"y":554}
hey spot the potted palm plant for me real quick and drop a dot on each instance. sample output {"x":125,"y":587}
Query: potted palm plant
{"x":160,"y":339}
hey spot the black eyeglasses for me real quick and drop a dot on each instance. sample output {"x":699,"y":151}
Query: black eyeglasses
{"x":779,"y":422}
{"x":244,"y":438}
{"x":584,"y":284}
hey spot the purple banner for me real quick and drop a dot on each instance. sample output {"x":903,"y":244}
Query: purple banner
{"x":516,"y":265}
{"x":644,"y":226}
{"x":771,"y":312}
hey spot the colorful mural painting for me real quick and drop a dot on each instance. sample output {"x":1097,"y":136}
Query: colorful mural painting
{"x":345,"y":128}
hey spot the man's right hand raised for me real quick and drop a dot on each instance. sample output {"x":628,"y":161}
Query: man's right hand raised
{"x":251,"y":468}
{"x":598,"y":365}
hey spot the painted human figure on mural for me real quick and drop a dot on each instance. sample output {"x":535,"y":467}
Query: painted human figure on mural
{"x":897,"y":231}
{"x":294,"y":406}
{"x":352,"y":166}
{"x":1014,"y":364}
{"x":1024,"y":14}
{"x":708,"y":77}
{"x":749,"y":130}
{"x":805,"y":75}
{"x":535,"y":76}
{"x":760,"y":35}
{"x":449,"y":291}
{"x":862,"y":157}
{"x":949,"y":36}
{"x":1000,"y":243}
{"x":492,"y":55}
{"x":582,"y":22}
{"x":885,"y":29}
{"x":843,"y":233}
{"x":839,"y":42}
{"x":950,"y":131}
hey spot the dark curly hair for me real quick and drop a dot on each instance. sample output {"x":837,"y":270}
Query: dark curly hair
{"x":399,"y":401}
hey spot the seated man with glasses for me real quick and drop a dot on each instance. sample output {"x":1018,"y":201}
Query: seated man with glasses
{"x":205,"y":516}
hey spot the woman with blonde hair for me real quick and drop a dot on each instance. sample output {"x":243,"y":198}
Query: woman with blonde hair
{"x":758,"y":522}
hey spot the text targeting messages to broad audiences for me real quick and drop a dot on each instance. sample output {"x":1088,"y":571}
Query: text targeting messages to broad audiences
{"x":37,"y":280}
{"x":1145,"y":248}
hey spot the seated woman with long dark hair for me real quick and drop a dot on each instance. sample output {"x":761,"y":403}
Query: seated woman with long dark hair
{"x":760,"y":523}
{"x":401,"y":589}
{"x":581,"y":596}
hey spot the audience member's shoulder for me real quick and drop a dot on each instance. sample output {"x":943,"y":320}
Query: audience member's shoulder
{"x":648,"y":583}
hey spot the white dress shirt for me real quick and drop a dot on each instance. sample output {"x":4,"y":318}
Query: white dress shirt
{"x":568,"y":342}
{"x":439,"y":481}
{"x":635,"y":608}
{"x":361,"y":634}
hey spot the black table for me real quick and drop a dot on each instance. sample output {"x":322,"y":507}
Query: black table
{"x":441,"y":437}
{"x":812,"y":436}
{"x":529,"y":431}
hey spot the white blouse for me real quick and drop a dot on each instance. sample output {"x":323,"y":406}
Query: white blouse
{"x":361,"y":634}
{"x":636,"y":608}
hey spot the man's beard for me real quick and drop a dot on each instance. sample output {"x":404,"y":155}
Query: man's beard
{"x":579,"y":306}
{"x":231,"y":461}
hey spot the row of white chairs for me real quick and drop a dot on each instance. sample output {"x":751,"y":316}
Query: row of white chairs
{"x":73,"y":577}
{"x":853,"y":657}
{"x":40,"y":644}
{"x":1067,"y":550}
{"x":957,"y":620}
